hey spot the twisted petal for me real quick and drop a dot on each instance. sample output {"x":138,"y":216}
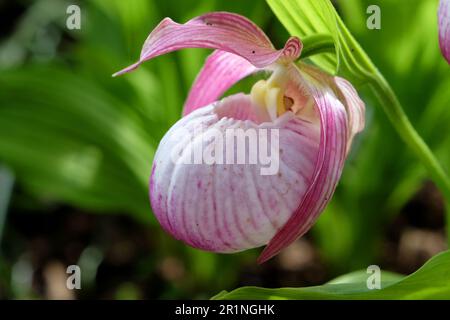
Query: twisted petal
{"x":217,"y":30}
{"x":334,"y":138}
{"x":444,"y":28}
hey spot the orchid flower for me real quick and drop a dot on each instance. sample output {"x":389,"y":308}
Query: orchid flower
{"x":444,"y":28}
{"x":231,"y":207}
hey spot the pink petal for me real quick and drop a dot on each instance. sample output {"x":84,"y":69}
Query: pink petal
{"x":444,"y":28}
{"x":328,"y":168}
{"x":355,"y":108}
{"x":221,"y":71}
{"x":217,"y":30}
{"x":231,"y":207}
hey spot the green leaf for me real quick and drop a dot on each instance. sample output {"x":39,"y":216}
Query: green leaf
{"x":309,"y":18}
{"x":431,"y":281}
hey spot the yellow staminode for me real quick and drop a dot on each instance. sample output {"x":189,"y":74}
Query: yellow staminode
{"x":268,"y":96}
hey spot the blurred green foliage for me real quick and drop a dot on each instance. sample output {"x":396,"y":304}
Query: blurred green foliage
{"x":73,"y":134}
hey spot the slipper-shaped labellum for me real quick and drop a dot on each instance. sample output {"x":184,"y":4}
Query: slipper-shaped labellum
{"x":444,"y":28}
{"x":249,"y":169}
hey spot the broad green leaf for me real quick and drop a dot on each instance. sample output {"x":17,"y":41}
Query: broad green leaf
{"x":432,"y":281}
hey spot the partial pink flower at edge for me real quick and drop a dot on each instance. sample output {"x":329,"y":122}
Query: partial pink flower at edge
{"x":444,"y":28}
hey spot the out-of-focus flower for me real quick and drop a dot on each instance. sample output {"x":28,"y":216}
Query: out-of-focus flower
{"x":225,"y":206}
{"x":444,"y":28}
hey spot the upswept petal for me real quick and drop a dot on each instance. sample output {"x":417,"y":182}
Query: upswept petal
{"x":444,"y":28}
{"x":220,"y":72}
{"x":328,"y":168}
{"x":217,"y":30}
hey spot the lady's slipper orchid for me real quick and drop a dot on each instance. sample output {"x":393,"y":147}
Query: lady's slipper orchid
{"x":232,"y":207}
{"x":444,"y":28}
